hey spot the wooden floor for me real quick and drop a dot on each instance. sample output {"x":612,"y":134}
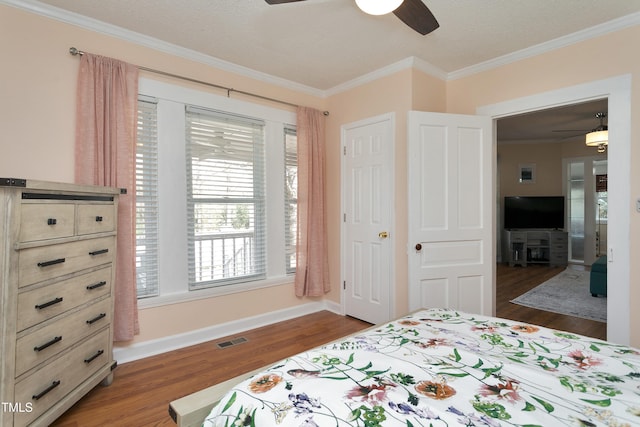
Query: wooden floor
{"x":512,"y":282}
{"x":141,"y":391}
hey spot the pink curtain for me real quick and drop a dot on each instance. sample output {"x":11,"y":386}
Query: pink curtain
{"x":312,"y":268}
{"x":106,"y":120}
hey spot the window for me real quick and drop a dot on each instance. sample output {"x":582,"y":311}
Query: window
{"x":290,"y":196}
{"x":147,"y":198}
{"x":226,"y":198}
{"x":216,"y":184}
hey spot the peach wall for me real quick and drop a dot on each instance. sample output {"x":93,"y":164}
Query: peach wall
{"x":562,"y":68}
{"x":428,"y":93}
{"x":37,"y":113}
{"x":548,"y":162}
{"x":202,"y":313}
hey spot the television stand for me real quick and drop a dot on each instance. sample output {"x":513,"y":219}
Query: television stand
{"x":549,"y":247}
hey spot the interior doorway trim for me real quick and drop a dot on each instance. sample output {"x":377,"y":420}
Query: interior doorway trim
{"x":618,"y":91}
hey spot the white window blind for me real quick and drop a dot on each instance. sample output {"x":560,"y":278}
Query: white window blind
{"x":147,"y":198}
{"x":225,"y":198}
{"x":290,"y":196}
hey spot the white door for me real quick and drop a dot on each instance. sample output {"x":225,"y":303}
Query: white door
{"x":451,"y":195}
{"x":368,"y":203}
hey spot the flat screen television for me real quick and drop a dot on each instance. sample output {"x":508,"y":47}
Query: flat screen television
{"x":527,"y":212}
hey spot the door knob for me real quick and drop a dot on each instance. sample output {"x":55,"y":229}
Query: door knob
{"x":418,"y":247}
{"x":383,"y":234}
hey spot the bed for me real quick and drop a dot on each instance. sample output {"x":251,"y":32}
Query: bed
{"x":435,"y":367}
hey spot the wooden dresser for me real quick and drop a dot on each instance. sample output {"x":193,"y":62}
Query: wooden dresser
{"x":57,"y":270}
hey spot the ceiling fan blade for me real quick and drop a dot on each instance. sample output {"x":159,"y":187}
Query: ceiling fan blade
{"x":280,"y":1}
{"x":417,"y":15}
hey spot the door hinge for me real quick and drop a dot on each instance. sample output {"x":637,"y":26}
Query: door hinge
{"x":344,"y":217}
{"x":344,"y":285}
{"x":344,"y":150}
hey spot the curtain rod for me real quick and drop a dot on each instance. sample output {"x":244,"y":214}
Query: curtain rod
{"x":74,"y":51}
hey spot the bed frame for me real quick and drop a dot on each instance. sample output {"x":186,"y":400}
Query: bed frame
{"x":191,"y":410}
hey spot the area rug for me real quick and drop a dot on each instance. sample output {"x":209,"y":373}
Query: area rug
{"x":566,"y":293}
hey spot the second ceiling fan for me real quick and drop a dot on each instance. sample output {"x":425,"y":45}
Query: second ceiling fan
{"x":414,"y":13}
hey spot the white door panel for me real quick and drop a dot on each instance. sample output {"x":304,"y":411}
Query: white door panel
{"x":450,"y":212}
{"x":367,"y":264}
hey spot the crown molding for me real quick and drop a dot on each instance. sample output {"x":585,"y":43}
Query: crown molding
{"x":153,"y":43}
{"x":410,"y":62}
{"x":570,"y":39}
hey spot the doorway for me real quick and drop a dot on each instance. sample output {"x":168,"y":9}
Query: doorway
{"x":617,"y":90}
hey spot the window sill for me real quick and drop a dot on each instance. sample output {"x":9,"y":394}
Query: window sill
{"x":199,"y":294}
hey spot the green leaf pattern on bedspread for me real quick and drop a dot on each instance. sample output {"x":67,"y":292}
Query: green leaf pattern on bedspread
{"x":444,"y":368}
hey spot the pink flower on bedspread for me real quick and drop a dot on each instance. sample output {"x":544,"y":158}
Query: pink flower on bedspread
{"x":373,"y":394}
{"x":433,"y":343}
{"x":485,"y":328}
{"x":507,"y":389}
{"x":584,"y":361}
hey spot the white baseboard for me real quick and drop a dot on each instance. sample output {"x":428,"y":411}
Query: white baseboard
{"x":129,"y":353}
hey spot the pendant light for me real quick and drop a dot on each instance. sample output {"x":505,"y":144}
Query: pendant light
{"x":378,"y":7}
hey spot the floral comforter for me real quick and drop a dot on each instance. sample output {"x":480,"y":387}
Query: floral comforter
{"x":444,"y":368}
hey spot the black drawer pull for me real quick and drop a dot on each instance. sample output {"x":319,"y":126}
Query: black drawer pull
{"x":40,"y":395}
{"x":52,"y":262}
{"x":96,"y":285}
{"x":52,"y":221}
{"x":98,"y":219}
{"x":100,"y":252}
{"x":49,"y":304}
{"x":47,"y":344}
{"x":95,"y":319}
{"x":94,"y":357}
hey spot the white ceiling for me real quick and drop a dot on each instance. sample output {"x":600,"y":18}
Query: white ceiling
{"x":322,"y":46}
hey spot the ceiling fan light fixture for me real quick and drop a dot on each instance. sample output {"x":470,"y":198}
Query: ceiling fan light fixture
{"x":378,"y":7}
{"x":597,"y":138}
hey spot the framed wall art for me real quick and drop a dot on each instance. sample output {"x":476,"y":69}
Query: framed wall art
{"x":527,"y":173}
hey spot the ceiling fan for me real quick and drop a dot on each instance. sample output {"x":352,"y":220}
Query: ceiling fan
{"x":414,"y":13}
{"x":596,"y":137}
{"x":600,"y":116}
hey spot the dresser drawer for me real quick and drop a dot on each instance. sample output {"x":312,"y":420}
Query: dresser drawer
{"x":41,"y":221}
{"x":46,"y":342}
{"x":47,"y":386}
{"x":44,"y":303}
{"x":46,"y":262}
{"x":96,"y":219}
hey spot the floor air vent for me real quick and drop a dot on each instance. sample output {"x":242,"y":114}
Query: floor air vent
{"x":235,"y":341}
